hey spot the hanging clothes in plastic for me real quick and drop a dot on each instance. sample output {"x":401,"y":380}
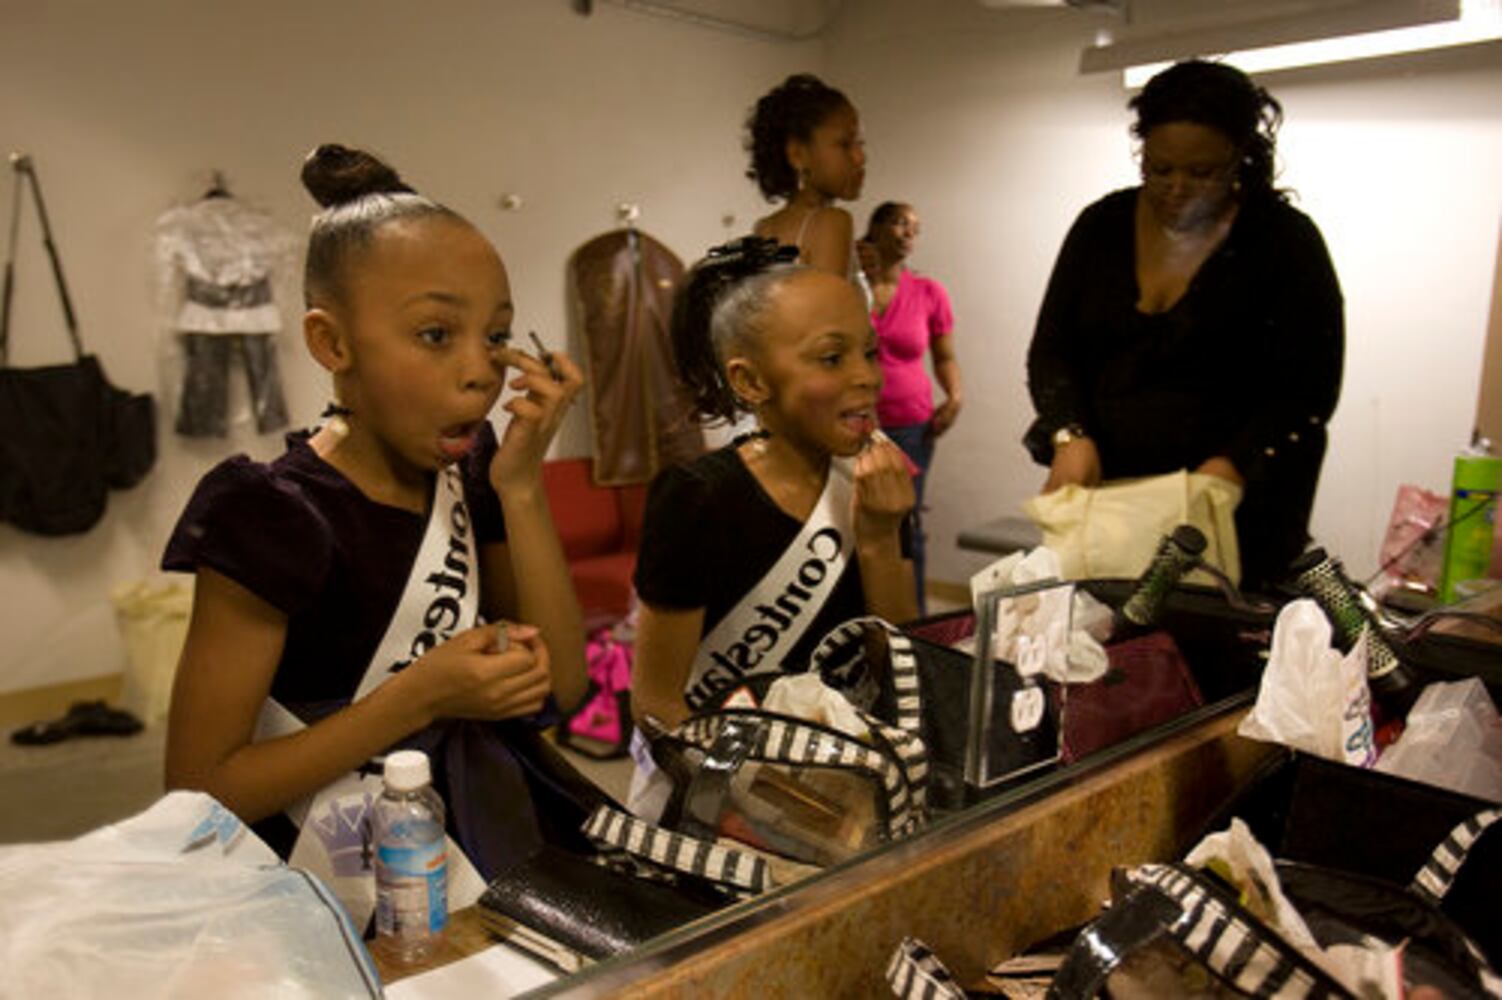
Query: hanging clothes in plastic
{"x":220,"y":261}
{"x":623,"y":284}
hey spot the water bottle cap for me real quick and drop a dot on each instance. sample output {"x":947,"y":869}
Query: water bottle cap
{"x":407,"y":771}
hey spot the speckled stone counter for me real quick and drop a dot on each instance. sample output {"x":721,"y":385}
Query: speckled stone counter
{"x":977,"y":889}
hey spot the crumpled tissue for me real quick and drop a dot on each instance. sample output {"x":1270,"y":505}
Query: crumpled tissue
{"x":806,"y":696}
{"x":1056,"y":632}
{"x":1312,"y":698}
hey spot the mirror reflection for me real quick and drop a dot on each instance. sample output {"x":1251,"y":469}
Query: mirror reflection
{"x":657,"y":426}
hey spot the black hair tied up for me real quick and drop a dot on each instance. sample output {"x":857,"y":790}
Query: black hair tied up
{"x":1221,"y":97}
{"x":359,"y":194}
{"x":697,"y":343}
{"x":883,"y":214}
{"x":337,"y":175}
{"x":790,"y":111}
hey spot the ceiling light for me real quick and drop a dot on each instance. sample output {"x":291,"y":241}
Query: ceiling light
{"x":1478,"y":21}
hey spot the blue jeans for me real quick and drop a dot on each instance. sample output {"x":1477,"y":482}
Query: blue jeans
{"x":917,"y":441}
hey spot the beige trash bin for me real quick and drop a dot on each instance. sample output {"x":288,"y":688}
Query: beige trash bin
{"x":153,"y":621}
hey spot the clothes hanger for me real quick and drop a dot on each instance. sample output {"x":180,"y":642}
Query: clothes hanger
{"x":626,"y":213}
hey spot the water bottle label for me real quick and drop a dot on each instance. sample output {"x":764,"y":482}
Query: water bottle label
{"x":413,"y":889}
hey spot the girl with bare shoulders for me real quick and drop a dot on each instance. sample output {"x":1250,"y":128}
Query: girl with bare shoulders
{"x":806,"y":150}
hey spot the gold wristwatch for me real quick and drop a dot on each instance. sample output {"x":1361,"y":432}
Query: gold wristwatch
{"x":1066,"y":434}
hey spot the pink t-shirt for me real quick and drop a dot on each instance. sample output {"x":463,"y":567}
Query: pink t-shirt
{"x":917,"y":315}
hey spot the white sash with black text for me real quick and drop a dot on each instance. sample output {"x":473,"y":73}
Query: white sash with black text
{"x":759,"y":633}
{"x":441,"y":597}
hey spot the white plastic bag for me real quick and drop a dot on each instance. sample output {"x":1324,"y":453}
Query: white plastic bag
{"x":1452,"y":738}
{"x":1312,"y":698}
{"x":153,"y":622}
{"x":179,"y":901}
{"x":1369,"y":970}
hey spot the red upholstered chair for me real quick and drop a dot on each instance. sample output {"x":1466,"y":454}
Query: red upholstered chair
{"x":600,"y":527}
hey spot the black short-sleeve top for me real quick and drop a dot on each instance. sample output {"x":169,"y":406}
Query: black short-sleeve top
{"x":299,"y":535}
{"x":711,"y":532}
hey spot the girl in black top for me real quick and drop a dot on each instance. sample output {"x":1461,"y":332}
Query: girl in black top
{"x":793,"y":346}
{"x":1195,"y":321}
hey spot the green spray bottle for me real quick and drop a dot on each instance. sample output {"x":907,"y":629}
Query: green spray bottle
{"x":1473,"y":519}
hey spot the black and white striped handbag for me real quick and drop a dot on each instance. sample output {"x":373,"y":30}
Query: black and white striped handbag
{"x":787,"y":787}
{"x":777,"y":784}
{"x":915,"y":973}
{"x":1202,"y":920}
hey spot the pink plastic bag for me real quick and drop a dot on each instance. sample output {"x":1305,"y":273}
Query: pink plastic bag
{"x":1412,"y":551}
{"x":605,"y":717}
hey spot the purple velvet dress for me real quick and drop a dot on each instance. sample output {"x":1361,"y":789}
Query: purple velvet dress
{"x":303,"y":538}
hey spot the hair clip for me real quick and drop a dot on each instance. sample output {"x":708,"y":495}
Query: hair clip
{"x":756,"y":252}
{"x":335,"y":410}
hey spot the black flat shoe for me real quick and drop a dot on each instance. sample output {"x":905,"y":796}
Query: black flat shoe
{"x":84,"y":718}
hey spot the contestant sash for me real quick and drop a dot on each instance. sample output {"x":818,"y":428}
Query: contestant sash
{"x":757,"y":635}
{"x":442,"y":596}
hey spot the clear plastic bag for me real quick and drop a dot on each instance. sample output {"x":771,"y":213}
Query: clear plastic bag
{"x":1452,"y":738}
{"x":179,"y":901}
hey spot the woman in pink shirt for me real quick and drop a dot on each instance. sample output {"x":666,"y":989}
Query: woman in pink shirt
{"x":912,"y":317}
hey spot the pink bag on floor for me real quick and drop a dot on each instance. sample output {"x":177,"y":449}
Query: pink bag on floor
{"x":605,"y":717}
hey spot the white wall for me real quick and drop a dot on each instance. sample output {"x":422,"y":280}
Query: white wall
{"x":127,"y":107}
{"x":979,"y":118}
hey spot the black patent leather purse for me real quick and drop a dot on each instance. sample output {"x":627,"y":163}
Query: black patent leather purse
{"x":572,"y":911}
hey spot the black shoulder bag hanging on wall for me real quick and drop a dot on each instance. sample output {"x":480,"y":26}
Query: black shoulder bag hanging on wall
{"x":66,"y":435}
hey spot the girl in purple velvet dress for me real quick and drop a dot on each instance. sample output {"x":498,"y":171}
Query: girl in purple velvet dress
{"x":341,"y":589}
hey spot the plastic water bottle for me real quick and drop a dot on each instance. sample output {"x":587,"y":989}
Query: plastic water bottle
{"x":411,"y":860}
{"x":1472,"y":521}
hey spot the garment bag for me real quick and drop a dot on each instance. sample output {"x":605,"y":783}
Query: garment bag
{"x":641,"y":417}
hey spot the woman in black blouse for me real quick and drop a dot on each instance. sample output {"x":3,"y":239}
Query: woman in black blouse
{"x":1195,"y":321}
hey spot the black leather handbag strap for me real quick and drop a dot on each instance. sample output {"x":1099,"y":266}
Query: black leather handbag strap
{"x":24,"y":171}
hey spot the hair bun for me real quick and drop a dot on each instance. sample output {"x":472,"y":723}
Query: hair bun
{"x":336,"y":175}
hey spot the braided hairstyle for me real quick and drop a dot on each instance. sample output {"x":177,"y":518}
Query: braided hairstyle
{"x":1221,"y":97}
{"x":791,"y":110}
{"x":359,"y":194}
{"x":719,"y":304}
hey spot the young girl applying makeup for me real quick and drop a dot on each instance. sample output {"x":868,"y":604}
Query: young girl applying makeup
{"x":340,"y":589}
{"x":752,"y":553}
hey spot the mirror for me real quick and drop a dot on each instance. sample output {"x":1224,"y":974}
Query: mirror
{"x":976,"y":115}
